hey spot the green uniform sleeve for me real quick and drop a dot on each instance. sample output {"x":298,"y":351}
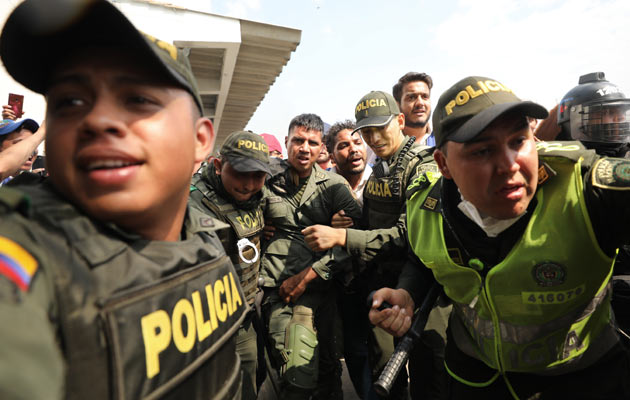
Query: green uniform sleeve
{"x":368,"y":244}
{"x":333,"y":261}
{"x":32,"y":365}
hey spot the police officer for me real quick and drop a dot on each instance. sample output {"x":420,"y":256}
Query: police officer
{"x":111,"y":286}
{"x":519,"y":237}
{"x":383,"y":243}
{"x":597,"y":113}
{"x":229,"y":189}
{"x":299,"y":302}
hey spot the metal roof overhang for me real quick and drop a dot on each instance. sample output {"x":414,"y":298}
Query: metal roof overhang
{"x":234,"y":70}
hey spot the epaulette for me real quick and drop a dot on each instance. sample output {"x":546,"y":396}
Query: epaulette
{"x":320,"y":174}
{"x":432,"y":201}
{"x":14,"y":200}
{"x":424,"y":178}
{"x":425,"y":153}
{"x":572,"y":150}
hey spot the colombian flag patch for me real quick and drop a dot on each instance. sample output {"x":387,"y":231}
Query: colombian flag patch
{"x":16,"y":263}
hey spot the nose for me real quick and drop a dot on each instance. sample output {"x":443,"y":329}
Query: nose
{"x":304,"y":147}
{"x":247,"y":183}
{"x":375,"y":136}
{"x":507,"y":162}
{"x":104,"y":117}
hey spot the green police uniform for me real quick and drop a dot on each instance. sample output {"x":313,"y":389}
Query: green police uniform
{"x":127,"y":317}
{"x":524,"y":307}
{"x":291,"y":207}
{"x":242,"y":240}
{"x":383,"y":244}
{"x":130,"y":317}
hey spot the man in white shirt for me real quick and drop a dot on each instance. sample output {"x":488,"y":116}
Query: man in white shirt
{"x":349,"y":152}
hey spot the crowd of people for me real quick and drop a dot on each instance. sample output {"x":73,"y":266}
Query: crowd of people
{"x":139,"y":267}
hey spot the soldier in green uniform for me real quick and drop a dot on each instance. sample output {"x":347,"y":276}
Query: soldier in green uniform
{"x":229,"y":189}
{"x":111,"y":286}
{"x":297,"y":281}
{"x":383,"y":243}
{"x":523,"y":239}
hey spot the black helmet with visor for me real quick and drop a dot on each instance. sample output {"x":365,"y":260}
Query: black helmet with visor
{"x":595,"y":111}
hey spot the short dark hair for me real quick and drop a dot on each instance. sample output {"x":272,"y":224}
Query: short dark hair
{"x":334,"y":131}
{"x":410,"y":77}
{"x":311,"y":122}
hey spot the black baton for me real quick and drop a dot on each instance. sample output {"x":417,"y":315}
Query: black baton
{"x":383,"y":384}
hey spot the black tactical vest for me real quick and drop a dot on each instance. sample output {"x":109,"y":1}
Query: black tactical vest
{"x":384,"y":193}
{"x":138,"y":318}
{"x":242,"y":242}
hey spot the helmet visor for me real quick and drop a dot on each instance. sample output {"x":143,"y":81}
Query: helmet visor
{"x":605,"y":122}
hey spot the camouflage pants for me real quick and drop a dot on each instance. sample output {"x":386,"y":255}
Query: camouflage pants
{"x":301,"y":333}
{"x":248,"y":351}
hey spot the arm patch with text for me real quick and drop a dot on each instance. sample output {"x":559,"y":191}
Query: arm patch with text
{"x":611,"y":173}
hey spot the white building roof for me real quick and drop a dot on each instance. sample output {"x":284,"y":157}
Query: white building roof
{"x":235,"y":61}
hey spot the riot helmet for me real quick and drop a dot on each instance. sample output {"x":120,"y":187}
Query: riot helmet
{"x":595,"y":112}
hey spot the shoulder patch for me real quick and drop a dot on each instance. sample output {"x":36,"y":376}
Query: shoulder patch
{"x":17,"y":264}
{"x":611,"y":173}
{"x":545,"y":172}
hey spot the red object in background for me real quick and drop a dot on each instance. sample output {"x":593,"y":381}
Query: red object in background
{"x":16,"y":101}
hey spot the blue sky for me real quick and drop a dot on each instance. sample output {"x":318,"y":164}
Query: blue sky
{"x":539,"y":48}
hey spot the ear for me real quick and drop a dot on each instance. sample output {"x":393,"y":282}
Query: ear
{"x":286,"y":142}
{"x":217,"y":165}
{"x":440,"y":159}
{"x":204,"y":139}
{"x":401,"y":121}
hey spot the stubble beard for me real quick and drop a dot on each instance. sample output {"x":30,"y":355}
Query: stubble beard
{"x":413,"y":124}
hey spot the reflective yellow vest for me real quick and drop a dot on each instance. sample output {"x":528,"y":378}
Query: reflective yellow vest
{"x":542,"y":307}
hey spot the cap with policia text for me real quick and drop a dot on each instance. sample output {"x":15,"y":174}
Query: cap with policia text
{"x":472,"y":104}
{"x":246,"y":152}
{"x":40,"y":34}
{"x":375,"y":109}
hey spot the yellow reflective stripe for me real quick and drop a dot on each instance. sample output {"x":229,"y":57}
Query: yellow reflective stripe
{"x":510,"y":388}
{"x":473,"y":384}
{"x":525,"y":334}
